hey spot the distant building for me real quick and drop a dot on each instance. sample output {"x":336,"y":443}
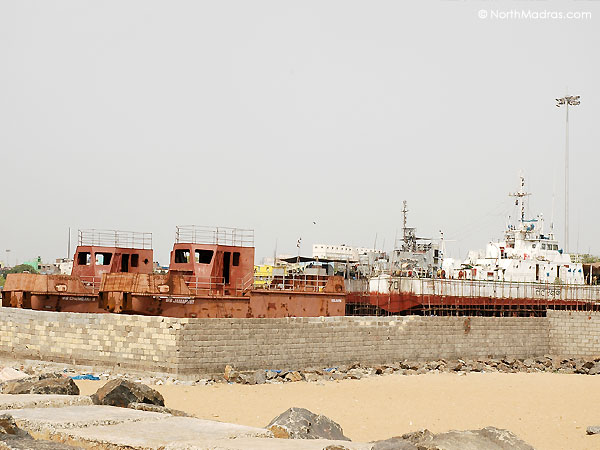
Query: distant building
{"x":61,"y":266}
{"x":34,"y":264}
{"x":64,"y":266}
{"x":340,"y":252}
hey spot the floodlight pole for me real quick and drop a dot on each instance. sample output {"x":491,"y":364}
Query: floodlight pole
{"x":567,"y":179}
{"x":569,"y":100}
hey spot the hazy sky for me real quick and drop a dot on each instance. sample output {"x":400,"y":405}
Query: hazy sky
{"x":144,"y":115}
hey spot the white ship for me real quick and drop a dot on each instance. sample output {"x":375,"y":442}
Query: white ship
{"x":526,"y":254}
{"x":524,"y":273}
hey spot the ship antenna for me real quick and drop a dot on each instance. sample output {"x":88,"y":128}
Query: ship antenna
{"x":404,"y":211}
{"x":520,"y":195}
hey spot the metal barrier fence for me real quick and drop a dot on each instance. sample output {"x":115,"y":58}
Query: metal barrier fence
{"x":216,"y":286}
{"x":115,"y":238}
{"x":194,"y":234}
{"x":92,"y":283}
{"x":304,"y":283}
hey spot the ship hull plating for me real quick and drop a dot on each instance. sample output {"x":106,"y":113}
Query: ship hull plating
{"x":257,"y":305}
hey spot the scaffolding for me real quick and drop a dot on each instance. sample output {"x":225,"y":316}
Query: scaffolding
{"x":444,"y":297}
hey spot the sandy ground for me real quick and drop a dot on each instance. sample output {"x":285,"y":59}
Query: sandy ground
{"x":549,"y":411}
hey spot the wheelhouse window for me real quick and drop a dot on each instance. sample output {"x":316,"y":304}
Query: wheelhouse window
{"x":84,"y":259}
{"x":236,"y":259}
{"x":135,"y":260}
{"x":204,"y":256}
{"x":103,"y":259}
{"x":182,"y":256}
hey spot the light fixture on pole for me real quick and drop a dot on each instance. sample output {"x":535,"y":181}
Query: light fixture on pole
{"x":569,"y":100}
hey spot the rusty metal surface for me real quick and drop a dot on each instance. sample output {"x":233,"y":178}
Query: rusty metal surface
{"x":66,"y":303}
{"x":169,"y":295}
{"x":258,"y":304}
{"x":45,"y":284}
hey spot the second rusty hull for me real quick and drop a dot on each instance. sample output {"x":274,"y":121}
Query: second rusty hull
{"x":256,"y":304}
{"x":170,"y":295}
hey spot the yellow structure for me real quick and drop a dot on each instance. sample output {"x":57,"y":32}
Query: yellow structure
{"x":263,"y":274}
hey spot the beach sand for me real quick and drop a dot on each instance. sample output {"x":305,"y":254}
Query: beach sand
{"x":549,"y":411}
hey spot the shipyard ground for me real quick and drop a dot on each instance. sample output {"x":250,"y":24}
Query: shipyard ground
{"x":549,"y":411}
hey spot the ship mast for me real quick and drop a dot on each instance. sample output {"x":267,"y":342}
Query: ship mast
{"x":520,"y":195}
{"x":404,"y":211}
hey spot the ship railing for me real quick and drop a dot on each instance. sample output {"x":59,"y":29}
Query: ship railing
{"x":247,"y":282}
{"x":195,"y":234}
{"x":302,"y":283}
{"x":91,"y":282}
{"x":505,"y":290}
{"x":115,"y":238}
{"x":216,"y":286}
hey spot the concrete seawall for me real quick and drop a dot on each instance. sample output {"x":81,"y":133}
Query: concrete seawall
{"x":188,"y":347}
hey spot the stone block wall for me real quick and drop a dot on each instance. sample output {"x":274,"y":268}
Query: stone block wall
{"x":291,"y":343}
{"x":574,"y":333}
{"x":190,"y":347}
{"x":103,"y":340}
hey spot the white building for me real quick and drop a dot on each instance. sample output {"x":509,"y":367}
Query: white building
{"x":340,"y":252}
{"x":64,"y":265}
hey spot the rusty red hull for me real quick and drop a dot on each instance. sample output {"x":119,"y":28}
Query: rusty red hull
{"x":66,"y":303}
{"x":267,"y":304}
{"x":396,"y":303}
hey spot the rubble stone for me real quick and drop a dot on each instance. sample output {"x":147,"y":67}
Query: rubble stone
{"x":294,"y":376}
{"x":595,"y":369}
{"x":157,"y":408}
{"x":260,"y":377}
{"x":395,"y":443}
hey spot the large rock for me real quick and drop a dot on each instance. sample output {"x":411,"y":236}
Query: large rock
{"x":50,"y":383}
{"x":488,"y":438}
{"x":300,"y":423}
{"x":9,"y":426}
{"x":120,"y":392}
{"x":13,"y":438}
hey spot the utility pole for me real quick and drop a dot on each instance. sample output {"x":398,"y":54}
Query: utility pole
{"x":572,"y":100}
